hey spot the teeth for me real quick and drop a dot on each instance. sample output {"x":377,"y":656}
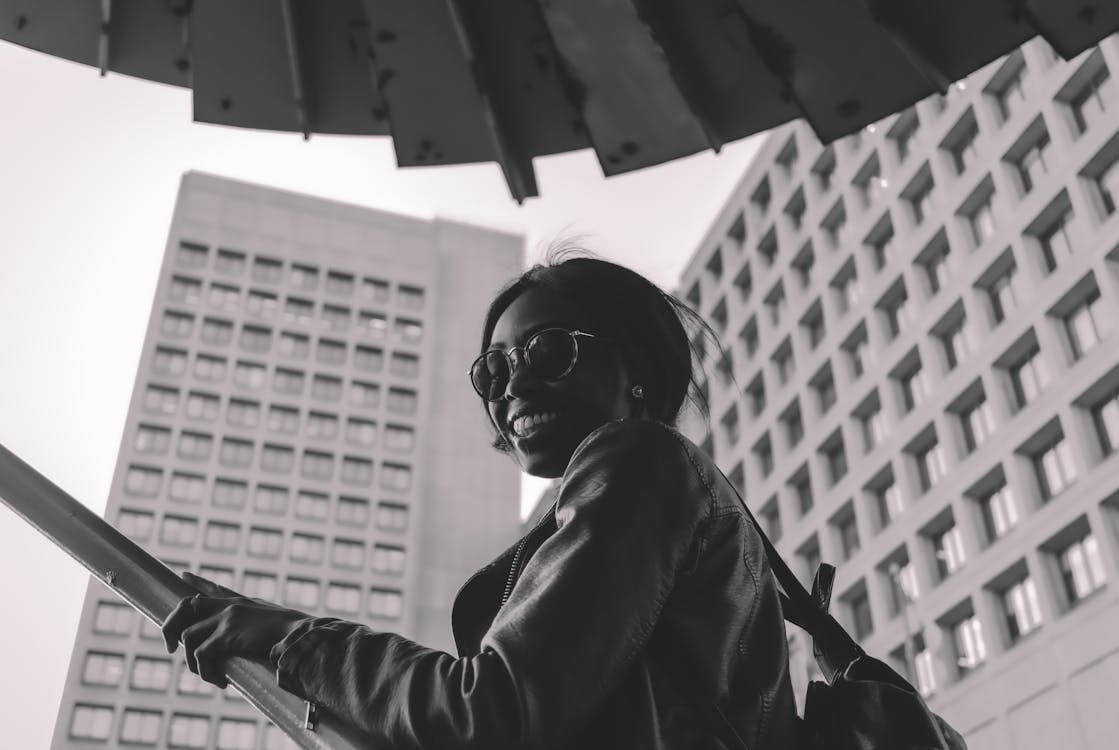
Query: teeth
{"x":524,"y":423}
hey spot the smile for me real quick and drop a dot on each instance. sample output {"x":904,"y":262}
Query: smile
{"x":529,"y":424}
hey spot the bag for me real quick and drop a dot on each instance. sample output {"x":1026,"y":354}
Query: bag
{"x":864,"y":704}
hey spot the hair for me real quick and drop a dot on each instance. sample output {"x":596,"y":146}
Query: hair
{"x":647,"y":324}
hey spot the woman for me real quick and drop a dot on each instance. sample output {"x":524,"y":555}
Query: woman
{"x":638,"y":614}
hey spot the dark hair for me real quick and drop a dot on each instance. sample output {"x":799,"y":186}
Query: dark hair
{"x":647,"y":324}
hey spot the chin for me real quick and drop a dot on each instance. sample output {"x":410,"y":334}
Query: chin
{"x":543,"y":465}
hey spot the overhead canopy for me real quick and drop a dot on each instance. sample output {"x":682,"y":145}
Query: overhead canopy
{"x":640,"y":81}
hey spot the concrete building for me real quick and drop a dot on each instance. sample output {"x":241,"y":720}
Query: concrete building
{"x":922,"y":386}
{"x":302,"y":430}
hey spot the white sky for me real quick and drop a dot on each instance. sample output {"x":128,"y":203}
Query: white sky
{"x":89,"y":170}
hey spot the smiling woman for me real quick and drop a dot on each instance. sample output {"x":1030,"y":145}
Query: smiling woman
{"x":639,"y":613}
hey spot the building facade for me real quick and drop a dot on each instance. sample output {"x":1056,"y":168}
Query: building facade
{"x":301,"y":429}
{"x":921,"y":386}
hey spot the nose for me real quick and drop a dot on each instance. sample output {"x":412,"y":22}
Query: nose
{"x":521,"y":377}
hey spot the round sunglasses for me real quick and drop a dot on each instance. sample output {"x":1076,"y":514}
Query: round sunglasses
{"x":550,"y":354}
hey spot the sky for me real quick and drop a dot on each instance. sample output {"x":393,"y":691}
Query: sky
{"x":89,"y":169}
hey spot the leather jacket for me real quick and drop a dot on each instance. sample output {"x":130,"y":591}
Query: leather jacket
{"x":643,"y":597}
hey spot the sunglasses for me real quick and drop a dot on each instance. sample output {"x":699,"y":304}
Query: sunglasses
{"x":549,"y":354}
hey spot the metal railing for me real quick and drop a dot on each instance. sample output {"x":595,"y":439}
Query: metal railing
{"x":153,"y":590}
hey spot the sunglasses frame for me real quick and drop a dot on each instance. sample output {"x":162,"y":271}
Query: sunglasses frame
{"x":508,"y":354}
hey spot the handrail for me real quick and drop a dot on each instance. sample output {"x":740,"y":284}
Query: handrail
{"x":153,"y":590}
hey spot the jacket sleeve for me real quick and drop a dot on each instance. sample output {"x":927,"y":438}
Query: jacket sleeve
{"x":628,"y":513}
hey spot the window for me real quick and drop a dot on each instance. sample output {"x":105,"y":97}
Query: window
{"x":902,"y":582}
{"x":353,"y":511}
{"x":1080,"y":567}
{"x":714,"y":265}
{"x":243,"y":413}
{"x":317,"y":465}
{"x":369,"y":359}
{"x":271,"y":499}
{"x":187,"y":731}
{"x":911,"y":384}
{"x":404,"y":365}
{"x":331,"y":352}
{"x":408,"y":331}
{"x":888,"y":501}
{"x":191,"y":255}
{"x":249,"y":375}
{"x":394,"y":476}
{"x":1054,"y":467}
{"x":881,"y":243}
{"x":322,"y":425}
{"x":903,"y":133}
{"x":813,"y":324}
{"x":216,"y":332}
{"x":948,"y":550}
{"x":187,"y":488}
{"x":102,"y":669}
{"x":141,"y":727}
{"x":402,"y":401}
{"x":977,"y":422}
{"x":410,"y":297}
{"x":348,"y":553}
{"x":283,"y":419}
{"x":178,"y":531}
{"x":981,"y":219}
{"x":846,"y":285}
{"x":289,"y":382}
{"x":219,"y":575}
{"x":737,"y":478}
{"x":376,"y":290}
{"x":304,"y":277}
{"x":299,"y":310}
{"x":961,"y":143}
{"x":1001,"y":295}
{"x":787,"y":157}
{"x":256,"y":338}
{"x":386,"y":603}
{"x":749,"y":337}
{"x":311,"y":505}
{"x":763,"y":453}
{"x":931,"y":465}
{"x":1091,"y":100}
{"x":755,"y":395}
{"x":262,"y":304}
{"x":793,"y":424}
{"x":339,"y":284}
{"x":835,"y":458}
{"x":261,"y":585}
{"x":235,"y":452}
{"x":776,"y":303}
{"x":1085,"y":325}
{"x":744,"y":282}
{"x":1032,"y":165}
{"x":869,"y":182}
{"x":954,"y":338}
{"x":1020,"y":608}
{"x":326,"y":388}
{"x":365,"y":394}
{"x":89,"y":722}
{"x":795,"y":209}
{"x":236,"y":734}
{"x":151,"y":674}
{"x":307,"y":548}
{"x":999,"y":512}
{"x":336,"y":317}
{"x":113,"y":618}
{"x":392,"y":516}
{"x":143,"y":481}
{"x":919,"y":195}
{"x":152,"y":440}
{"x":136,"y":524}
{"x":895,"y":309}
{"x":824,"y":385}
{"x":1054,"y":241}
{"x":1106,"y":187}
{"x":357,"y":470}
{"x":846,"y":532}
{"x":344,"y":598}
{"x":195,"y":446}
{"x":693,"y":296}
{"x":762,"y":196}
{"x":856,"y":350}
{"x":858,"y":605}
{"x":372,"y":324}
{"x":202,"y":406}
{"x":1028,"y":376}
{"x":169,"y":361}
{"x":872,"y":422}
{"x":229,"y":262}
{"x":771,"y":519}
{"x":1105,"y":417}
{"x":185,"y":289}
{"x":824,"y":169}
{"x":1007,"y":93}
{"x":398,"y":437}
{"x":301,"y":592}
{"x":935,"y":264}
{"x":265,"y":542}
{"x":834,"y":224}
{"x":968,"y":643}
{"x":190,"y":684}
{"x":925,"y":666}
{"x":176,"y":325}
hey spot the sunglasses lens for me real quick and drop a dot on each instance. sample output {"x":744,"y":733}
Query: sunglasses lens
{"x":551,"y":354}
{"x":490,"y":375}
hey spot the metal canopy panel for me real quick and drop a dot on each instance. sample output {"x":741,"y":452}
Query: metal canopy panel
{"x":149,"y":40}
{"x":1070,"y":28}
{"x":58,"y":27}
{"x":434,"y":107}
{"x":241,"y":71}
{"x":632,"y":108}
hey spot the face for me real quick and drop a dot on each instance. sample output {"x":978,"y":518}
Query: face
{"x":596,"y":391}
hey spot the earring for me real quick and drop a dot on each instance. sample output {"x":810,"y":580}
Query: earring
{"x":638,"y":391}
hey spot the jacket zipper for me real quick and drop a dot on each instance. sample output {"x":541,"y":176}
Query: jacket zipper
{"x":515,"y":566}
